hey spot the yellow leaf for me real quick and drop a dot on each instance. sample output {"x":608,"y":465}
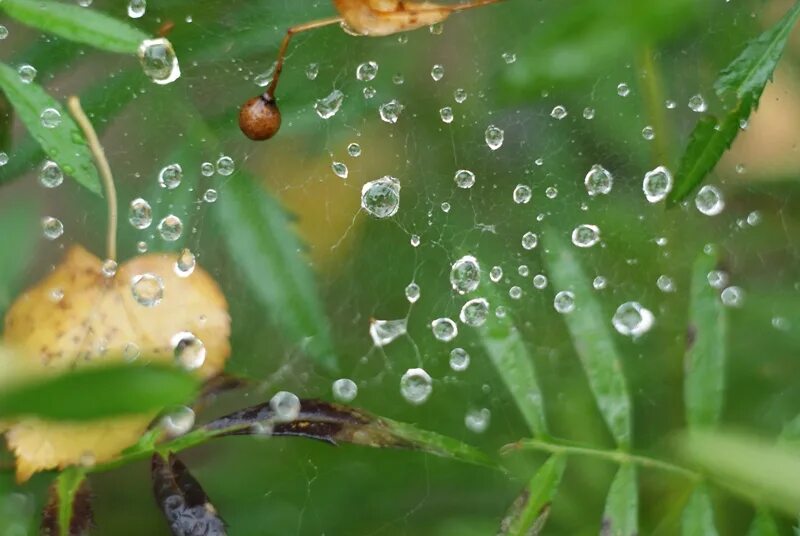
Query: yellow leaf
{"x":387,"y":17}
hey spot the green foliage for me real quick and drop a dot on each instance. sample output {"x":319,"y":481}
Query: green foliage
{"x":698,"y":516}
{"x":622,"y":505}
{"x":17,"y":229}
{"x":529,"y":512}
{"x":763,"y":525}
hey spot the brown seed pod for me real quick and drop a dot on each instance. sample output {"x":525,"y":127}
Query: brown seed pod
{"x":260,"y":118}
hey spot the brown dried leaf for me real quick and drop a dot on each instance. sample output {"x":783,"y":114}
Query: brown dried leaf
{"x":186,"y":506}
{"x":98,"y":320}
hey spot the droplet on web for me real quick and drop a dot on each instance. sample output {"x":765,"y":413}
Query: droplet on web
{"x":27,"y":73}
{"x":50,"y":118}
{"x":446,"y":114}
{"x":540,"y":281}
{"x":464,"y":178}
{"x":444,"y":329}
{"x":340,"y":170}
{"x":178,"y":421}
{"x":185,"y":263}
{"x":367,"y":71}
{"x":437,"y":72}
{"x":137,"y":8}
{"x":522,"y":194}
{"x":585,"y":236}
{"x":381,"y":197}
{"x":494,"y":137}
{"x":344,"y":390}
{"x":286,"y":406}
{"x":159,"y":61}
{"x":564,"y":302}
{"x":709,"y":200}
{"x":147,"y":289}
{"x":496,"y":274}
{"x":354,"y":150}
{"x":170,"y":228}
{"x":51,"y":176}
{"x":390,"y":111}
{"x":52,"y":228}
{"x":559,"y":112}
{"x":459,"y":359}
{"x":225,"y":166}
{"x":657,"y":184}
{"x":416,"y":386}
{"x":632,"y":320}
{"x":140,"y":214}
{"x":327,"y":107}
{"x":188,"y":350}
{"x":170,"y":176}
{"x":412,"y":292}
{"x":477,"y":420}
{"x":465,"y":274}
{"x":598,"y":181}
{"x":384,"y":332}
{"x":475,"y":312}
{"x":530,"y":240}
{"x":697,"y":103}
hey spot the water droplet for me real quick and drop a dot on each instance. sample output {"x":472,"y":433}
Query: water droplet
{"x":286,"y":406}
{"x":52,"y":228}
{"x":170,"y":228}
{"x":3,"y":158}
{"x":477,"y":420}
{"x":459,"y":359}
{"x":551,"y":192}
{"x":475,"y":312}
{"x":523,"y":270}
{"x":564,"y":302}
{"x":170,"y":176}
{"x":27,"y":73}
{"x":367,"y":71}
{"x":445,"y":207}
{"x":354,"y":150}
{"x":140,"y":215}
{"x":50,"y":118}
{"x":732,"y":297}
{"x":210,"y":196}
{"x":412,"y":292}
{"x":109,"y":268}
{"x":178,"y":421}
{"x":206,"y":169}
{"x":437,"y":72}
{"x":632,"y":320}
{"x":588,"y":113}
{"x":494,"y":137}
{"x":559,"y":112}
{"x":340,"y":170}
{"x":147,"y":289}
{"x":3,"y":32}
{"x":464,"y":178}
{"x":327,"y":107}
{"x":717,"y":278}
{"x":522,"y":194}
{"x":185,"y":263}
{"x":598,"y":181}
{"x":670,"y":104}
{"x":415,"y":240}
{"x":515,"y":292}
{"x":540,"y":281}
{"x":623,"y":90}
{"x":509,"y":57}
{"x":496,"y":274}
{"x":585,"y":236}
{"x":369,"y":92}
{"x":225,"y":166}
{"x":390,"y":111}
{"x":754,"y":218}
{"x":51,"y":176}
{"x":159,"y":61}
{"x":416,"y":386}
{"x":665,"y":284}
{"x":264,"y":79}
{"x":189,"y":351}
{"x":697,"y":103}
{"x":648,"y":133}
{"x":137,"y":8}
{"x":444,"y":329}
{"x":460,"y":95}
{"x":381,"y":197}
{"x":657,"y":184}
{"x":131,"y":352}
{"x":530,"y":240}
{"x":599,"y":282}
{"x":709,"y":200}
{"x":344,"y":390}
{"x":384,"y":332}
{"x":436,"y":29}
{"x":465,"y":274}
{"x":312,"y":70}
{"x":446,"y":114}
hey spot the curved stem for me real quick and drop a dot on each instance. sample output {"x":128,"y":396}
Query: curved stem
{"x":99,"y":155}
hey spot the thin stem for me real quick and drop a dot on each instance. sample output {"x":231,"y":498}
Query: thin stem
{"x":74,"y":105}
{"x":269,"y":94}
{"x":615,"y":456}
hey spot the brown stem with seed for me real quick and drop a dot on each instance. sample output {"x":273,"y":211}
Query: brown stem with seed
{"x":74,"y":105}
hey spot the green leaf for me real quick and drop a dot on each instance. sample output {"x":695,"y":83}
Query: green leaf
{"x":704,"y":368}
{"x":763,"y":525}
{"x":589,"y":328}
{"x":698,"y":515}
{"x":259,"y":238}
{"x":527,"y":515}
{"x":514,"y":364}
{"x":69,"y":510}
{"x":18,"y":227}
{"x":98,"y":392}
{"x":65,"y":143}
{"x":620,"y":517}
{"x":750,"y":467}
{"x":749,"y":73}
{"x":76,"y":23}
{"x":708,"y":142}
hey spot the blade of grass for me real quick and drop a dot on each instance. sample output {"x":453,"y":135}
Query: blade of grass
{"x":589,"y":329}
{"x":514,"y":364}
{"x":76,"y":23}
{"x":529,"y":511}
{"x":620,"y":517}
{"x":98,"y":392}
{"x":704,"y":382}
{"x":698,"y":515}
{"x":65,"y":143}
{"x":763,"y":524}
{"x":69,"y":509}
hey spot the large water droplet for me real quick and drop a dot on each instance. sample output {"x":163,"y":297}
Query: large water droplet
{"x":136,"y":8}
{"x":286,"y":406}
{"x":464,"y":178}
{"x":494,"y":137}
{"x":344,"y":390}
{"x":564,"y":302}
{"x":170,"y":176}
{"x":188,"y":350}
{"x":140,"y":215}
{"x":522,"y":194}
{"x":51,"y":176}
{"x":390,"y":111}
{"x":657,"y":184}
{"x":384,"y":332}
{"x":585,"y":236}
{"x":381,"y":197}
{"x":416,"y":386}
{"x":632,"y":320}
{"x":475,"y":312}
{"x":159,"y":61}
{"x":465,"y":274}
{"x":444,"y":329}
{"x":598,"y":181}
{"x":709,"y":200}
{"x":225,"y":166}
{"x":147,"y":289}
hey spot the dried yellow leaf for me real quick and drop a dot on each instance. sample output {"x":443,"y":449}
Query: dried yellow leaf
{"x":387,"y":17}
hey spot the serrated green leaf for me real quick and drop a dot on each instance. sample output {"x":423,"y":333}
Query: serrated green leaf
{"x":749,"y":73}
{"x":529,"y":511}
{"x":708,"y":142}
{"x":621,"y":514}
{"x":704,"y":367}
{"x":259,"y":237}
{"x":514,"y":364}
{"x":698,"y":515}
{"x":758,"y":470}
{"x":763,"y":525}
{"x":63,"y":144}
{"x":18,"y":227}
{"x":589,"y":330}
{"x":68,"y":511}
{"x":97,"y":392}
{"x":83,"y":25}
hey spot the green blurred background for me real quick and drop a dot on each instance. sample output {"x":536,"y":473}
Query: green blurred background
{"x":573,"y":54}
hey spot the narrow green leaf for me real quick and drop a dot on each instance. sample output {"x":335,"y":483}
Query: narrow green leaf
{"x":69,"y":510}
{"x":514,"y":364}
{"x":528,"y":513}
{"x":704,"y":367}
{"x":755,"y":469}
{"x":98,"y":392}
{"x":708,"y":142}
{"x":749,"y":73}
{"x":18,"y":227}
{"x":589,"y":328}
{"x":259,"y":238}
{"x":65,"y":143}
{"x":763,"y":525}
{"x":698,"y":515}
{"x":621,"y":514}
{"x":83,"y":25}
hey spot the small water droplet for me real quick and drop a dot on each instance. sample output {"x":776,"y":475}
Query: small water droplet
{"x":444,"y":329}
{"x":585,"y":236}
{"x":27,"y":73}
{"x":381,"y":197}
{"x":416,"y":386}
{"x":464,"y":178}
{"x":598,"y":181}
{"x":437,"y":72}
{"x":623,"y":90}
{"x":632,"y":320}
{"x":465,"y":274}
{"x":665,"y":284}
{"x":390,"y":111}
{"x":286,"y":406}
{"x":496,"y":274}
{"x":412,"y":292}
{"x":599,"y":282}
{"x":51,"y":176}
{"x":509,"y":57}
{"x":530,"y":240}
{"x":732,"y":297}
{"x":225,"y":166}
{"x":475,"y":312}
{"x":354,"y":150}
{"x":460,"y":95}
{"x":340,"y":170}
{"x":185,"y":263}
{"x":446,"y":114}
{"x":522,"y":194}
{"x":170,"y":228}
{"x":327,"y":107}
{"x":188,"y":350}
{"x":709,"y":200}
{"x":588,"y":113}
{"x":147,"y":289}
{"x":414,"y":240}
{"x":50,"y":117}
{"x":384,"y":332}
{"x":564,"y":302}
{"x":367,"y":71}
{"x":159,"y":61}
{"x":109,"y":268}
{"x":312,"y":70}
{"x":540,"y":281}
{"x":178,"y":421}
{"x":170,"y":176}
{"x":3,"y":32}
{"x":559,"y":112}
{"x":459,"y":359}
{"x":657,"y":184}
{"x":3,"y":158}
{"x":137,"y":8}
{"x":140,"y":215}
{"x":369,"y":92}
{"x":717,"y":278}
{"x":52,"y":228}
{"x":477,"y":420}
{"x":207,"y":169}
{"x":648,"y":133}
{"x":494,"y":137}
{"x":344,"y":390}
{"x":210,"y":196}
{"x":697,"y":103}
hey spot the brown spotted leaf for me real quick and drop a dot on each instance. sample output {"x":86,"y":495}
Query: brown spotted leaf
{"x":186,"y":506}
{"x":69,"y":506}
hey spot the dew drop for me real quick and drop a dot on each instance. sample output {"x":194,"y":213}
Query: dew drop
{"x":477,"y":420}
{"x":475,"y":312}
{"x":665,"y":284}
{"x":459,"y":359}
{"x":210,"y":195}
{"x":354,"y":150}
{"x":588,"y":113}
{"x":585,"y":236}
{"x":340,"y":170}
{"x":344,"y":390}
{"x":559,"y":112}
{"x":159,"y":61}
{"x":657,"y":184}
{"x":599,"y":282}
{"x":464,"y":178}
{"x":52,"y":228}
{"x":136,"y":8}
{"x":390,"y":111}
{"x":437,"y":72}
{"x":185,"y":263}
{"x":170,"y":228}
{"x":465,"y":274}
{"x":460,"y":95}
{"x":444,"y":329}
{"x":494,"y":137}
{"x":648,"y":133}
{"x":312,"y":70}
{"x":732,"y":297}
{"x":530,"y":240}
{"x":496,"y":274}
{"x":412,"y":292}
{"x":140,"y":215}
{"x":384,"y":332}
{"x":286,"y":406}
{"x":381,"y":197}
{"x":623,"y":90}
{"x":225,"y":166}
{"x":207,"y":169}
{"x":416,"y":386}
{"x":564,"y":302}
{"x":598,"y":181}
{"x":709,"y":200}
{"x":697,"y":103}
{"x":327,"y":107}
{"x":522,"y":194}
{"x":147,"y":289}
{"x":27,"y":73}
{"x":446,"y":114}
{"x":632,"y":320}
{"x":50,"y":118}
{"x":51,"y":176}
{"x":367,"y":71}
{"x":540,"y":281}
{"x":170,"y":176}
{"x":188,"y":351}
{"x":178,"y":421}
